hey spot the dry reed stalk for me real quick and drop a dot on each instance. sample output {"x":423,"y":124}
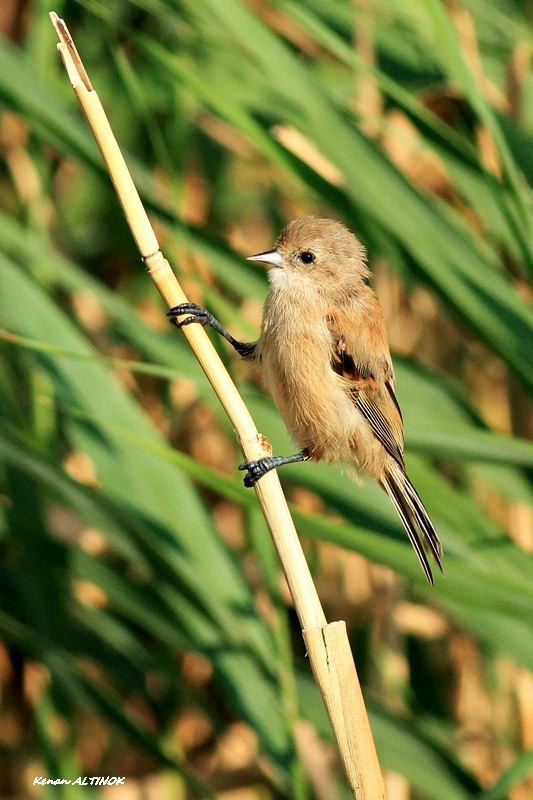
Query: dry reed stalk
{"x":328,"y":646}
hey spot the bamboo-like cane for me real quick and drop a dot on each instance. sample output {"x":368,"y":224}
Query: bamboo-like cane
{"x":327,"y":645}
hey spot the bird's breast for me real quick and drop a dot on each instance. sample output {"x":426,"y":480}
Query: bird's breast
{"x":295,"y":349}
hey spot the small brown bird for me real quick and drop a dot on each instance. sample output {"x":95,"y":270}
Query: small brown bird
{"x":326,"y":360}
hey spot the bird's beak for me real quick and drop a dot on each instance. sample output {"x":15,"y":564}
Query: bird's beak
{"x":270,"y":257}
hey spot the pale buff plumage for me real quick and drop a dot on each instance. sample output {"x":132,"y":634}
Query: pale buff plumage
{"x":326,"y":360}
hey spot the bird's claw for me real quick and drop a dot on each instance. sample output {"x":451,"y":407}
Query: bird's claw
{"x":256,"y":470}
{"x":198,"y":314}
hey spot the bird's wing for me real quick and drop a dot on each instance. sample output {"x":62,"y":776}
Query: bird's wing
{"x":370,"y":385}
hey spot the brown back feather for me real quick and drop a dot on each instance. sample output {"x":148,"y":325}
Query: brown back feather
{"x":370,"y":385}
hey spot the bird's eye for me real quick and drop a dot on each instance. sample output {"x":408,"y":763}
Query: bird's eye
{"x":307,"y":257}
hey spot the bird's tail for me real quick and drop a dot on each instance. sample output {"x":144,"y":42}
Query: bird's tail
{"x":414,"y":516}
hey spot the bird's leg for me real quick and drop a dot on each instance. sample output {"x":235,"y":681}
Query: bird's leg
{"x":203,"y":317}
{"x":256,"y":469}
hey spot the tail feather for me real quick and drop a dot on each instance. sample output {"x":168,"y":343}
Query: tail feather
{"x":424,"y":522}
{"x":414,"y":517}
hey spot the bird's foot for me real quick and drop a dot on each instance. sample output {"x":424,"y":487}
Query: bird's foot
{"x":198,"y":314}
{"x":256,"y":469}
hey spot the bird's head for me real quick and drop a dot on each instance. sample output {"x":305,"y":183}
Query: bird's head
{"x":321,"y":251}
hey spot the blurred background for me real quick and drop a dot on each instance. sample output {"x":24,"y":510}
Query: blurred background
{"x":146,"y":630}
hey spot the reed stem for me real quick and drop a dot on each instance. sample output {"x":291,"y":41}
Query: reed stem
{"x":328,"y":647}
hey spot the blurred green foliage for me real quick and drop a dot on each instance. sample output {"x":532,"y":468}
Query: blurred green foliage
{"x":413,"y":122}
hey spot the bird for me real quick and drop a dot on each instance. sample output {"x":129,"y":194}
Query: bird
{"x":325,"y":358}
